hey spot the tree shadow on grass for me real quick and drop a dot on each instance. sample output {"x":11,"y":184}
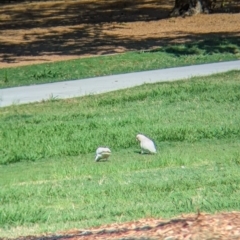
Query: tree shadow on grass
{"x":205,"y":44}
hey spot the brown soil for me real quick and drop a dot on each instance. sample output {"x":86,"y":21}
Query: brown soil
{"x":50,"y":31}
{"x":60,"y":30}
{"x":221,"y":226}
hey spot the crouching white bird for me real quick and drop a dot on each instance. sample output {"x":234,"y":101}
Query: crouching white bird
{"x":146,"y":144}
{"x":102,"y":153}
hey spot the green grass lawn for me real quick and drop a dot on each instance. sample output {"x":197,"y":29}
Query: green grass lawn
{"x":196,"y":52}
{"x":50,"y":182}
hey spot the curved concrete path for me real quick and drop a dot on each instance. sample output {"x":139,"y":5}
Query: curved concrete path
{"x":77,"y":88}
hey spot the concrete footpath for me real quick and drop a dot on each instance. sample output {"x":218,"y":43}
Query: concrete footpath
{"x":77,"y":88}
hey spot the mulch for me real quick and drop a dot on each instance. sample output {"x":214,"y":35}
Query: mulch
{"x":200,"y":226}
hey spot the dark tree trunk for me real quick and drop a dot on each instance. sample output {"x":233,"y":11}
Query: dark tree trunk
{"x":191,"y":7}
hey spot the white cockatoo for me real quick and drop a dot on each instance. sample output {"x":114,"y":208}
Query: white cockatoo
{"x":146,"y":144}
{"x":102,"y":153}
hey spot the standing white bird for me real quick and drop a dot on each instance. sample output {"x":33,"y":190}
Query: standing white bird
{"x":102,"y":153}
{"x":146,"y":144}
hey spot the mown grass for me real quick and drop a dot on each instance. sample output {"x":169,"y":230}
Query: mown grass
{"x":50,"y":182}
{"x":197,"y":52}
{"x":204,"y":108}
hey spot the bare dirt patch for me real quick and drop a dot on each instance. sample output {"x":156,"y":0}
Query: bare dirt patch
{"x":224,"y":226}
{"x":59,"y":30}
